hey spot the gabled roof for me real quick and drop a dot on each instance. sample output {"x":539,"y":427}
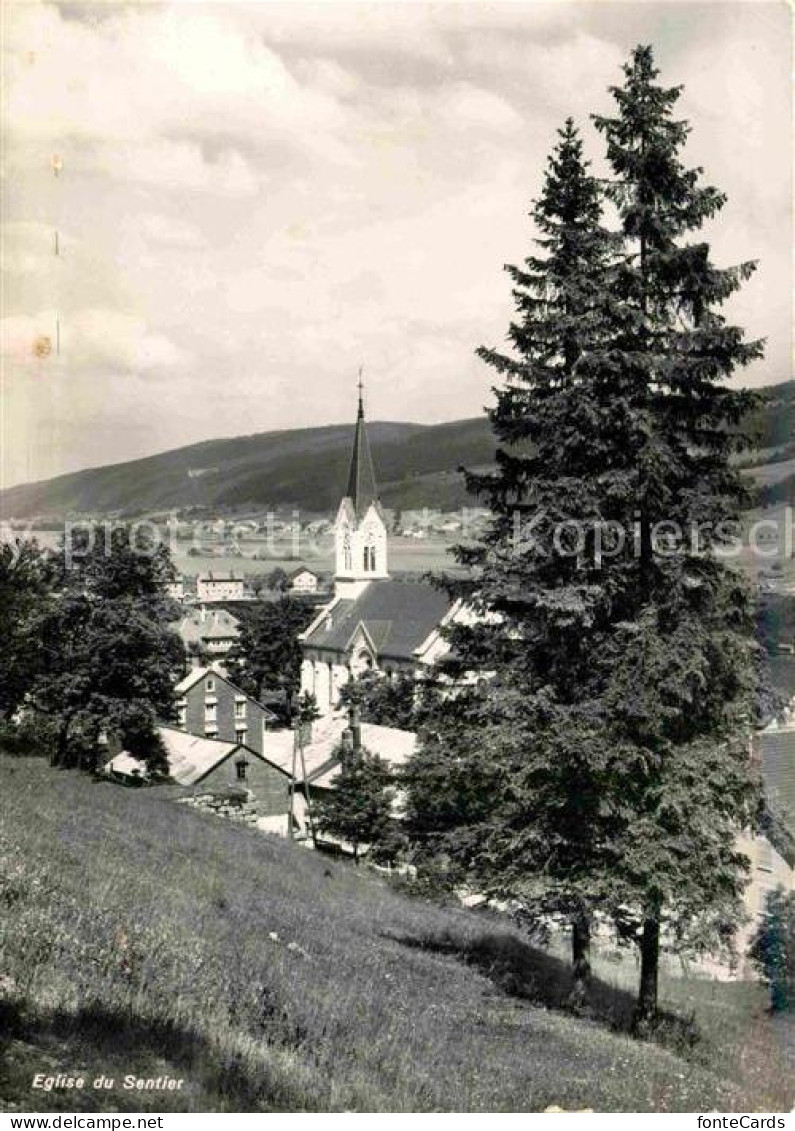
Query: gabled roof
{"x":195,"y":675}
{"x":218,"y":624}
{"x":302,"y":569}
{"x":190,"y":757}
{"x":398,"y":617}
{"x":320,"y":755}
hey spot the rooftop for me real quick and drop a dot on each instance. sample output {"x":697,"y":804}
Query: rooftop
{"x":398,"y":616}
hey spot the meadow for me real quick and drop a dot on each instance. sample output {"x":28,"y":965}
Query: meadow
{"x":140,"y":937}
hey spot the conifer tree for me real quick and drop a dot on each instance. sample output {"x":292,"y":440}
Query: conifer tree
{"x":358,"y":809}
{"x":619,"y":649}
{"x":507,"y":787}
{"x":682,"y":677}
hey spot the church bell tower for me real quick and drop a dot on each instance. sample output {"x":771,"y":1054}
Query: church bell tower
{"x":359,"y":531}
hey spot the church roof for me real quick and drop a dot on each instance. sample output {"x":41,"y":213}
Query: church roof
{"x":361,"y":489}
{"x":397,"y":615}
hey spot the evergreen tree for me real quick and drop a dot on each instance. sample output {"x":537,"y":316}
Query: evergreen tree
{"x":508,"y":786}
{"x":108,"y":659}
{"x":267,"y":654}
{"x":772,"y":949}
{"x":358,"y":810}
{"x":620,"y":651}
{"x":26,"y":584}
{"x":682,"y":676}
{"x":385,"y":701}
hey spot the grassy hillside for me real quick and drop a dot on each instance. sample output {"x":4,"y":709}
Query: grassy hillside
{"x":142,"y":938}
{"x":417,"y":466}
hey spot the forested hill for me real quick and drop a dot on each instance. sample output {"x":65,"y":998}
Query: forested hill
{"x":417,"y":465}
{"x":306,"y":468}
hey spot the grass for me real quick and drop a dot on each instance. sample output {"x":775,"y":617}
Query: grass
{"x":140,"y":937}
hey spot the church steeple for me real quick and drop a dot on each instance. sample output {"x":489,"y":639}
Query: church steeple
{"x":359,"y":533}
{"x":362,"y":489}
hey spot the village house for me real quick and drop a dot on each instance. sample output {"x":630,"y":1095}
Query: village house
{"x":316,"y":766}
{"x":373,"y":622}
{"x":210,"y":767}
{"x":220,"y":587}
{"x":303,"y":580}
{"x":211,"y":706}
{"x":211,"y":631}
{"x":176,"y":588}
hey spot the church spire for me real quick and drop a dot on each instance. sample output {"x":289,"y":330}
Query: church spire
{"x":362,"y":489}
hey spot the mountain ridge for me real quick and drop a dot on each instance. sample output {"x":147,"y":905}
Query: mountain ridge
{"x":416,"y":465}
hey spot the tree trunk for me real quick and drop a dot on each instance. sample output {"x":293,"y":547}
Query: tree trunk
{"x":580,"y":959}
{"x":646,"y":1009}
{"x":59,"y":756}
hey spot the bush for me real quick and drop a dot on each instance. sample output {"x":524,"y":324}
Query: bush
{"x":772,"y":949}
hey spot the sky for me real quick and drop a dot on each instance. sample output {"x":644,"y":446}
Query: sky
{"x":254,"y":199}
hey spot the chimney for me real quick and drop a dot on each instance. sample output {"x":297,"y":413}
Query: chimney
{"x":356,"y":730}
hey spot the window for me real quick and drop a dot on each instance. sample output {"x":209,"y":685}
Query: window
{"x":241,"y":765}
{"x":240,"y":708}
{"x":210,"y":710}
{"x":209,"y":684}
{"x":210,"y":732}
{"x":240,"y":734}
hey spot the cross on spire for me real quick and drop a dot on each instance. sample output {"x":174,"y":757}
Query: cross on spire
{"x":362,"y":489}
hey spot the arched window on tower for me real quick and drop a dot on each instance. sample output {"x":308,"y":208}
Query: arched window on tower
{"x":346,"y":551}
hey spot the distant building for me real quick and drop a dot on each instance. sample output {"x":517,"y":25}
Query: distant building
{"x":220,"y":587}
{"x":176,"y":588}
{"x":211,"y":706}
{"x":210,"y":630}
{"x":303,"y":580}
{"x":373,"y":622}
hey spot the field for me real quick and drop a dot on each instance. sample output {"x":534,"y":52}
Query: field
{"x":405,"y":555}
{"x":141,"y":938}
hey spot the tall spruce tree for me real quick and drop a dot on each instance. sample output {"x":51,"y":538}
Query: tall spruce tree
{"x":507,"y":788}
{"x":620,"y":648}
{"x":681,"y":676}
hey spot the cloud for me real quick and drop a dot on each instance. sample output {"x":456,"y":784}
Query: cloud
{"x":92,"y":339}
{"x":168,"y":231}
{"x":261,"y":196}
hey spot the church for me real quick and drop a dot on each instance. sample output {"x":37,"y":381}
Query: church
{"x":374,"y":622}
